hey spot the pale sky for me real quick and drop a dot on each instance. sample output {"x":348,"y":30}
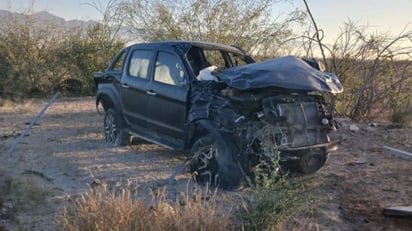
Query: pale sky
{"x":382,"y":15}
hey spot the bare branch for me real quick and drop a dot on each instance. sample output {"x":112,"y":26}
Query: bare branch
{"x":319,"y":36}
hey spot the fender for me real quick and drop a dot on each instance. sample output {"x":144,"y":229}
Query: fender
{"x":107,"y":95}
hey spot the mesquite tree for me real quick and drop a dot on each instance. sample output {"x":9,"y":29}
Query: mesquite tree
{"x":252,"y":25}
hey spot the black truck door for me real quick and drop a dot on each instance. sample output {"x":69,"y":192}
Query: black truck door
{"x":167,"y":96}
{"x":134,"y":82}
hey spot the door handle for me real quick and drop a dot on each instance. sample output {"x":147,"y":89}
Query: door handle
{"x":125,"y":85}
{"x":151,"y":92}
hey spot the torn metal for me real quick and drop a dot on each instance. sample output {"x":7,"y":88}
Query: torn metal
{"x":399,"y":153}
{"x":398,"y":211}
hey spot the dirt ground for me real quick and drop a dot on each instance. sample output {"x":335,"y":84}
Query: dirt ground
{"x":65,"y":154}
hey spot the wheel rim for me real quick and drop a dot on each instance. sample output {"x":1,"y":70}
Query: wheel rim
{"x":110,"y":128}
{"x":205,"y":166}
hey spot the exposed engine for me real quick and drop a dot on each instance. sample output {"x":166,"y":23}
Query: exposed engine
{"x":297,"y":124}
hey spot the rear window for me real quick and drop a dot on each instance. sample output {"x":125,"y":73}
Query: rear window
{"x":139,"y":63}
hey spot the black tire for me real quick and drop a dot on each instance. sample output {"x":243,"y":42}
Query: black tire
{"x":312,"y":161}
{"x":212,"y":165}
{"x":114,"y":131}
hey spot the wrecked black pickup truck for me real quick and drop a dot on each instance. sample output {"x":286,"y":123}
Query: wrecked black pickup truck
{"x":227,"y":111}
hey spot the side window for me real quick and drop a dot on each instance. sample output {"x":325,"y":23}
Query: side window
{"x":196,"y":59}
{"x":215,"y":57}
{"x":117,"y":66}
{"x":236,"y":60}
{"x":169,"y":69}
{"x":139,"y":63}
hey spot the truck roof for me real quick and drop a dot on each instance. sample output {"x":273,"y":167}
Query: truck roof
{"x":185,"y":45}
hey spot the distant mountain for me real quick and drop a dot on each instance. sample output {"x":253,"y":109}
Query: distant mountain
{"x":4,"y":13}
{"x":44,"y":18}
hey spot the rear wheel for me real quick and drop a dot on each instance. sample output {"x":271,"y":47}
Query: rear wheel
{"x":114,"y":132}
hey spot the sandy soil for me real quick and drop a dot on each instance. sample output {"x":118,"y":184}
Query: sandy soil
{"x":65,"y":154}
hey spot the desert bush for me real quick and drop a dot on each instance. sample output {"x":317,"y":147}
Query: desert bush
{"x":86,"y":52}
{"x":248,"y":24}
{"x":374,"y":72}
{"x":402,"y":117}
{"x":273,"y":203}
{"x":39,"y":57}
{"x":374,"y":67}
{"x":25,"y":194}
{"x":27,"y":66}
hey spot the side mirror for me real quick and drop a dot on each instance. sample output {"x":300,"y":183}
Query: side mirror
{"x":98,"y":75}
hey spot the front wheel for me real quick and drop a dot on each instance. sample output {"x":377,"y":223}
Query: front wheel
{"x":114,"y":132}
{"x":312,"y":161}
{"x":213,"y":163}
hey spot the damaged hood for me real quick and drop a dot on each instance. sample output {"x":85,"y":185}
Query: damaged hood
{"x":287,"y":72}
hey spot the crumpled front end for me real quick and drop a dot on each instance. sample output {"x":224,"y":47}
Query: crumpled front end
{"x":301,"y":125}
{"x":269,"y":113}
{"x":303,"y":122}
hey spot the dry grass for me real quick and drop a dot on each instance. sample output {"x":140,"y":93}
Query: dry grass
{"x":268,"y":207}
{"x":104,"y":209}
{"x":27,"y":106}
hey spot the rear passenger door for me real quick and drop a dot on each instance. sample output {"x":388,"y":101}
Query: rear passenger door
{"x":135,"y":80}
{"x":167,"y":96}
